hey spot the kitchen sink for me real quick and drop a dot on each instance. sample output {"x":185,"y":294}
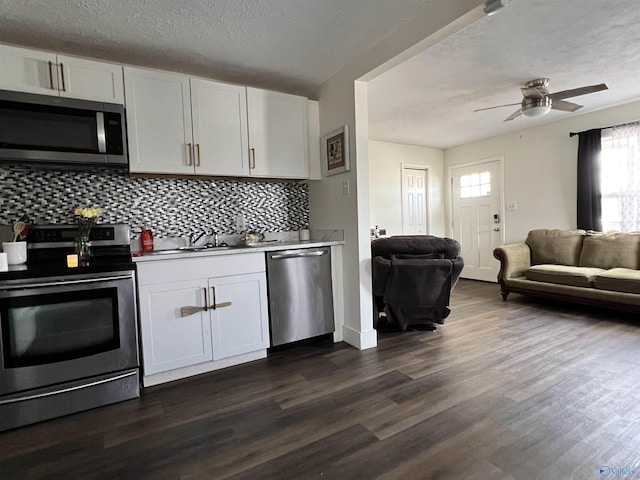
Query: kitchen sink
{"x":201,"y":248}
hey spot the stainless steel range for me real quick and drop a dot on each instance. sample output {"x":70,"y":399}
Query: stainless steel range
{"x":68,"y":336}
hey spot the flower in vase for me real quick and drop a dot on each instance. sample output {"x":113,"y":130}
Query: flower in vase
{"x":86,"y":218}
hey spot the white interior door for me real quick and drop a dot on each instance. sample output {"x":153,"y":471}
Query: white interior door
{"x":414,"y":200}
{"x":477,"y":217}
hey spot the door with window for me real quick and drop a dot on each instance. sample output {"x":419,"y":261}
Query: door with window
{"x":477,"y":217}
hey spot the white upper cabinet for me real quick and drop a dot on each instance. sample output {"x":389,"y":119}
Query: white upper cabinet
{"x":159,"y":122}
{"x":33,"y":71}
{"x":278,"y":134}
{"x":90,"y":80}
{"x":185,"y":126}
{"x":220,"y":135}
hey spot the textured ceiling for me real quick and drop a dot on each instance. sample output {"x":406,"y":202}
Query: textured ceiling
{"x":430,"y":99}
{"x":295,"y":45}
{"x":286,"y":45}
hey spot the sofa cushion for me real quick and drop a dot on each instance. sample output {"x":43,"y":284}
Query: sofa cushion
{"x":611,"y":250}
{"x":619,"y":280}
{"x":563,"y":274}
{"x":557,"y":247}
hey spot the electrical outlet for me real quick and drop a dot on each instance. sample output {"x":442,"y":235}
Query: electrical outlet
{"x":346,"y":187}
{"x":512,"y":206}
{"x":241,"y":223}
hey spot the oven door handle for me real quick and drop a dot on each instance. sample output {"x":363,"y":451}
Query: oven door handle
{"x":60,"y":283}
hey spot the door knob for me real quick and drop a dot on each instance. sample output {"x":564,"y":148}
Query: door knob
{"x":496,"y":229}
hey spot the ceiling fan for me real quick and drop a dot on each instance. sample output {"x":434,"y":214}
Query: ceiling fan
{"x":537,"y":101}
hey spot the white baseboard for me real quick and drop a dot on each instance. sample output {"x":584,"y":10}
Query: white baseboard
{"x":360,"y":340}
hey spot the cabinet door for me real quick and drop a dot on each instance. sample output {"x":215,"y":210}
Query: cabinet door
{"x":30,"y":71}
{"x":79,"y":78}
{"x":219,"y":113}
{"x":159,"y":122}
{"x":169,"y":340}
{"x":277,"y":134}
{"x":241,"y":327}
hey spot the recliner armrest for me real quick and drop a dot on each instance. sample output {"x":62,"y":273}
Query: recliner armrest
{"x":514,"y":260}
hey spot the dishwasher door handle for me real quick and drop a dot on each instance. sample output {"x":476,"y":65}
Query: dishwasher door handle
{"x":282,"y":256}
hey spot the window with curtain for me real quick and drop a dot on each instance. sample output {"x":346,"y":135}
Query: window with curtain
{"x":620,"y":178}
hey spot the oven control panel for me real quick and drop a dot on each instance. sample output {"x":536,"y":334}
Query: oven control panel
{"x":52,"y":236}
{"x":67,"y":234}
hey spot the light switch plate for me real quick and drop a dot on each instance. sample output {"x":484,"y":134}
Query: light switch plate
{"x":512,"y":206}
{"x":240,"y":223}
{"x":346,"y":187}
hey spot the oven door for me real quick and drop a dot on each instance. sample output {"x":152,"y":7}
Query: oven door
{"x":57,"y":330}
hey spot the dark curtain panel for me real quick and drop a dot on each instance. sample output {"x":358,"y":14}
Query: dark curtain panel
{"x":589,"y":194}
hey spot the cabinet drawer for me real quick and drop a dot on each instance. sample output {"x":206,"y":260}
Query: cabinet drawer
{"x":194,"y":267}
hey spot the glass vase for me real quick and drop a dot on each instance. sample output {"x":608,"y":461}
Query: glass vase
{"x":82,"y":249}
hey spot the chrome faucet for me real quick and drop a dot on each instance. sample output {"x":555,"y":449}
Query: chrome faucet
{"x":216,"y":242}
{"x":193,"y":238}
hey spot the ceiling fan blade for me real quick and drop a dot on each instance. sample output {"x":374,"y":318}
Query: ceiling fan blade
{"x":514,"y":115}
{"x":532,"y":92}
{"x":497,"y":106}
{"x":565,"y":106}
{"x":577,"y":91}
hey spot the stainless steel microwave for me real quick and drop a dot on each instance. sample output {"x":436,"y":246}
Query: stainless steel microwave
{"x":42,"y":129}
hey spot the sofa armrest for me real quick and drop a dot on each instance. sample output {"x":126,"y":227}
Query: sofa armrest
{"x":514,"y":259}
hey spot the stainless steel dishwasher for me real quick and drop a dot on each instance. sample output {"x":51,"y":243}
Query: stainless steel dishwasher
{"x":300,"y":294}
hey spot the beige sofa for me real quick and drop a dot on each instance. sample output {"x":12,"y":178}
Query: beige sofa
{"x":601,"y":269}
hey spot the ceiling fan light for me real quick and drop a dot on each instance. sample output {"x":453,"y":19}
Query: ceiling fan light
{"x":536,"y":108}
{"x":536,"y":112}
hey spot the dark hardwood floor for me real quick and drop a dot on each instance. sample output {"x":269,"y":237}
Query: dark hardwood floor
{"x":522,"y":389}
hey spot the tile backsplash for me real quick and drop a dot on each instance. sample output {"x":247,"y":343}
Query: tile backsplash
{"x":172,"y":207}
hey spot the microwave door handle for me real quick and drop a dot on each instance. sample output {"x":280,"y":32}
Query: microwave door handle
{"x":102,"y":136}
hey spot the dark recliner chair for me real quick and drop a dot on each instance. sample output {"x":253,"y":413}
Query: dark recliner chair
{"x":413,"y":276}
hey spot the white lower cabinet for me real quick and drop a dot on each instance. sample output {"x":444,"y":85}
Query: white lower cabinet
{"x":171,"y":341}
{"x":238,"y":328}
{"x":201,"y":314}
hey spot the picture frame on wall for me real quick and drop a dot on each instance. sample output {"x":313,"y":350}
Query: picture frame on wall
{"x":334,"y":149}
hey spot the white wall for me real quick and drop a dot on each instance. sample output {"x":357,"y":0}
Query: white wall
{"x":343,"y":101}
{"x":540,"y":168}
{"x":385,"y":184}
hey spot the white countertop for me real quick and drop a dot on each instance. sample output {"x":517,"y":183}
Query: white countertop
{"x":235,"y":250}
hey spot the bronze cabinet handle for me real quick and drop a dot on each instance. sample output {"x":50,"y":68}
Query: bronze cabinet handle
{"x":253,"y":158}
{"x":51,"y":74}
{"x":221,"y":305}
{"x":198,"y":151}
{"x":62,"y":75}
{"x":190,"y":155}
{"x":187,"y":311}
